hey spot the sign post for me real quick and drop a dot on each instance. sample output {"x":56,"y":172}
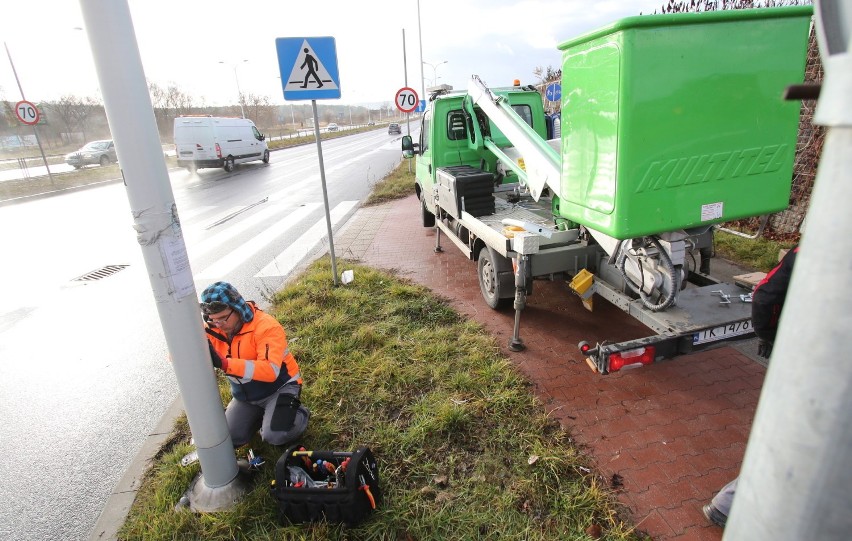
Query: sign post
{"x":27,"y":112}
{"x":308,"y":67}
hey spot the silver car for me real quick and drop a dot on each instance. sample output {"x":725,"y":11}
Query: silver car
{"x":93,"y":153}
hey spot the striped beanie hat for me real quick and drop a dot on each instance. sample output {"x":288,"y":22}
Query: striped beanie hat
{"x":220,"y":294}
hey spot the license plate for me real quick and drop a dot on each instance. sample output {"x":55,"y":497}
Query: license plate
{"x":722,"y":332}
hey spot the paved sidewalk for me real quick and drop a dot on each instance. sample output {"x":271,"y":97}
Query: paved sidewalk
{"x":666,"y":437}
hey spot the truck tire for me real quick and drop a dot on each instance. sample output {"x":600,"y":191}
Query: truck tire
{"x":493,"y":284}
{"x":104,"y":160}
{"x":265,"y":156}
{"x":428,"y":217}
{"x":229,"y":164}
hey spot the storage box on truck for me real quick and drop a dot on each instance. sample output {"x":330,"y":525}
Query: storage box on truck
{"x":208,"y":141}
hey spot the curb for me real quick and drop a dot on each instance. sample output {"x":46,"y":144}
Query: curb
{"x":118,"y":503}
{"x":355,"y":235}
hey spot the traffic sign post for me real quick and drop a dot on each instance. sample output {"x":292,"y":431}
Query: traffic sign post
{"x":308,"y":67}
{"x":406,"y":99}
{"x":27,"y":113}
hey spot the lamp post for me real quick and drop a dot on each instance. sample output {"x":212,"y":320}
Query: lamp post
{"x":237,"y":79}
{"x":435,"y":71}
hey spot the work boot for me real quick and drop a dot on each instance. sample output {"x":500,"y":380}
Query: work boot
{"x":714,"y":515}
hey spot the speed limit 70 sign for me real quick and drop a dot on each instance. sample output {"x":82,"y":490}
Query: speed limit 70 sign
{"x":406,"y":99}
{"x":27,"y":113}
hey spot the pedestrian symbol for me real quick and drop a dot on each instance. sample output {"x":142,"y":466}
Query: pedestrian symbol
{"x":308,"y":68}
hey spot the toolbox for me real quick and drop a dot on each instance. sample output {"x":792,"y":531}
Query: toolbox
{"x":334,"y":486}
{"x":465,"y":188}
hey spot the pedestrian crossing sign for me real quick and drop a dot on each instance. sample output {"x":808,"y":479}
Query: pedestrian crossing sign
{"x":308,"y":68}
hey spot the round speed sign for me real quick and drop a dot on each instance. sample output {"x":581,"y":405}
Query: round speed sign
{"x":27,"y":113}
{"x":406,"y":99}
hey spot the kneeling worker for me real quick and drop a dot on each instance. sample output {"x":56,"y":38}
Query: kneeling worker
{"x":250,"y":347}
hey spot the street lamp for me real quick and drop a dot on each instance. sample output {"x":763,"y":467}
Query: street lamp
{"x":237,"y":79}
{"x":435,"y":71}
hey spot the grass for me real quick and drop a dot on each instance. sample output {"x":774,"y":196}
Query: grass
{"x":398,"y":183}
{"x":464,"y":449}
{"x":759,"y":254}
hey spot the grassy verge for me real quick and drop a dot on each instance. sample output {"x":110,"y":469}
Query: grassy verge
{"x":398,"y":183}
{"x":759,"y":254}
{"x":464,"y":449}
{"x":27,"y":187}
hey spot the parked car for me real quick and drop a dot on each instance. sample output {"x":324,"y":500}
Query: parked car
{"x":393,"y":128}
{"x":332,"y":127}
{"x":94,"y":152}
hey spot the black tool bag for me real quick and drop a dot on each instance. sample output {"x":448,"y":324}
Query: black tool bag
{"x":326,"y":485}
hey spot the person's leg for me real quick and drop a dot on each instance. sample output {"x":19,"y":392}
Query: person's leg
{"x":243,"y":421}
{"x":719,"y":508}
{"x":279,"y":416}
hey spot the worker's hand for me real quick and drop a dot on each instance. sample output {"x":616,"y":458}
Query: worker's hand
{"x":215,"y":358}
{"x":764,"y":348}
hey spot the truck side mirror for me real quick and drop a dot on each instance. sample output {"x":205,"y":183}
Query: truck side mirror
{"x":409,"y":149}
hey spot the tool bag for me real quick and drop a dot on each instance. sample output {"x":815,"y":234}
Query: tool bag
{"x":326,"y":485}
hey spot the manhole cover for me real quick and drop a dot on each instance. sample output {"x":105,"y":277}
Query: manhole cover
{"x":100,"y":273}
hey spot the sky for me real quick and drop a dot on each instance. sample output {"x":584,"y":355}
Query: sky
{"x":196,"y":44}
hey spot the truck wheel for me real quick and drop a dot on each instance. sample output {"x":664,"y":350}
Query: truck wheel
{"x":104,"y":160}
{"x":229,"y":164}
{"x":265,"y":156}
{"x":428,"y":217}
{"x":489,"y":266}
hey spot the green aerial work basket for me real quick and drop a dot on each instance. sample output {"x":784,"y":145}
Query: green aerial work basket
{"x":677,"y":121}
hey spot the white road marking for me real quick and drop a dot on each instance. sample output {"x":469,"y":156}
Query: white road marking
{"x":239,"y":256}
{"x":287,"y":260}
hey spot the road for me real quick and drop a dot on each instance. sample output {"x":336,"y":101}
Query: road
{"x":88,"y":375}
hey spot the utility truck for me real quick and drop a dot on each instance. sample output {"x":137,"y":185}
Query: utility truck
{"x":670,"y":124}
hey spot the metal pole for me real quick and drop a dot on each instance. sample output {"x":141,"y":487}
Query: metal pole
{"x":797,"y":472}
{"x":405,"y":70}
{"x":155,"y":220}
{"x":35,"y":131}
{"x":420,"y":36}
{"x":324,"y":192}
{"x":239,"y":92}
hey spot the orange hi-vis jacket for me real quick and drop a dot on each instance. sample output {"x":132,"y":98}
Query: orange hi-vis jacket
{"x":257,"y":359}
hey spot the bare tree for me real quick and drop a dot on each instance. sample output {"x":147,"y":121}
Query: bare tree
{"x":682,"y":6}
{"x":168,"y":103}
{"x":77,"y":114}
{"x":259,"y":110}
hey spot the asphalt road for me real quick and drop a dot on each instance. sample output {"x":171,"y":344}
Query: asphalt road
{"x":88,"y":375}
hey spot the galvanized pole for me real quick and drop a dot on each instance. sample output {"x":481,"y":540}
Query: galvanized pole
{"x":797,"y":472}
{"x":155,"y":219}
{"x":35,"y":131}
{"x":420,"y":36}
{"x":324,"y":192}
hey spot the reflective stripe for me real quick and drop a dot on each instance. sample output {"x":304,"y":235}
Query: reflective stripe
{"x":294,"y":378}
{"x":249,"y":372}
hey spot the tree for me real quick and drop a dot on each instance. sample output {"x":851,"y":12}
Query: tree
{"x":77,"y":114}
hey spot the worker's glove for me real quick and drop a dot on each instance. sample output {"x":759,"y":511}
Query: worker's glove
{"x":764,"y":348}
{"x":215,"y":358}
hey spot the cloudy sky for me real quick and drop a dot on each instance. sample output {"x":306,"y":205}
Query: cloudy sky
{"x":194,"y":44}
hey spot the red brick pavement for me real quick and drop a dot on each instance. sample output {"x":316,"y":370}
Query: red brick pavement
{"x":673,"y":432}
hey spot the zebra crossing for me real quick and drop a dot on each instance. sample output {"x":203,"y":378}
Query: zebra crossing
{"x":289,"y":231}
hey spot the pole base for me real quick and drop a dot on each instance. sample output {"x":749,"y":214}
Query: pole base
{"x":203,"y":499}
{"x":516,"y":344}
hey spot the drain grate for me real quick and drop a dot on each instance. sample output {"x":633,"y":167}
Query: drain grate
{"x":100,"y":273}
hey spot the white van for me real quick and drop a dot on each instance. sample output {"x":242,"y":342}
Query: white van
{"x":209,"y":141}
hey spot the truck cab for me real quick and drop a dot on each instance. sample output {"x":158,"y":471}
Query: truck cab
{"x":451,"y":135}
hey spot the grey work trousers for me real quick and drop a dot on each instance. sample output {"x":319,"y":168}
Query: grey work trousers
{"x":245,"y":418}
{"x":723,"y":499}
